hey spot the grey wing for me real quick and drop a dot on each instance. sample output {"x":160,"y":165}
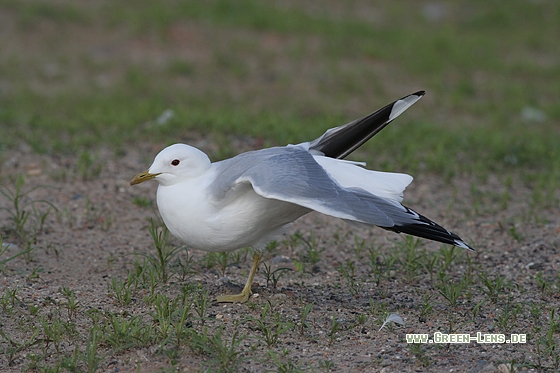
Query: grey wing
{"x":294,"y":176}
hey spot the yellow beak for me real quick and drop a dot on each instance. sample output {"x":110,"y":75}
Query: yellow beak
{"x":141,"y":177}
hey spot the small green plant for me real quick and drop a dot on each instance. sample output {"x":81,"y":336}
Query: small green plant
{"x":312,"y":253}
{"x":185,"y":264}
{"x":327,"y":366}
{"x":72,"y":304}
{"x":164,"y":309}
{"x":359,"y":246}
{"x":379,"y":266}
{"x":201,"y":304}
{"x":376,"y":309}
{"x":224,"y":260}
{"x":448,"y":254}
{"x":507,"y":319}
{"x":123,"y":331}
{"x":142,"y":201}
{"x":121,"y":290}
{"x":4,"y":249}
{"x":164,"y":252}
{"x":271,"y":330}
{"x":89,"y":166}
{"x":504,"y":199}
{"x":284,"y":365}
{"x":96,"y":216}
{"x":181,"y":324}
{"x":334,"y":329}
{"x":470,"y":270}
{"x":535,"y":311}
{"x":66,"y":216}
{"x":8,"y":299}
{"x":13,"y":348}
{"x":199,"y":341}
{"x":151,"y":280}
{"x":272,"y":248}
{"x":53,"y":331}
{"x":412,"y":260}
{"x":493,"y":287}
{"x":517,"y":236}
{"x":430,"y":264}
{"x":303,"y":319}
{"x":547,"y":346}
{"x":272,"y":277}
{"x":28,"y":220}
{"x":91,"y":358}
{"x":293,"y":241}
{"x":543,"y":285}
{"x":361,"y":319}
{"x":476,"y":309}
{"x":348,"y":271}
{"x":299,"y":266}
{"x":427,"y":304}
{"x":224,"y":355}
{"x":227,"y":356}
{"x":451,"y":291}
{"x":417,"y":350}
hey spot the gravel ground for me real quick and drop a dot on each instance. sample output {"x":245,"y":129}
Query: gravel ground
{"x":98,"y":233}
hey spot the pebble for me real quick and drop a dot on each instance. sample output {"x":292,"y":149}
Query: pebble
{"x":534,"y":266}
{"x":386,"y":362}
{"x":280,"y":259}
{"x":489,"y":368}
{"x":33,"y":170}
{"x":11,"y":246}
{"x":503,"y":368}
{"x":480,"y":365}
{"x":222,"y":281}
{"x":279,"y":296}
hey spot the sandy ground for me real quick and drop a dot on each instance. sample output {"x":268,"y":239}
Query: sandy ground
{"x":97,"y":229}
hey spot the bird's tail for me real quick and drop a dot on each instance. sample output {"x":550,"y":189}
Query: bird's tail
{"x":340,"y":141}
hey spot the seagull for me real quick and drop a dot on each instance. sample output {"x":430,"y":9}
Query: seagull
{"x":252,"y":198}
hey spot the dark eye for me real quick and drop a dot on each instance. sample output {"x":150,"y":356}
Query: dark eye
{"x":175,"y":162}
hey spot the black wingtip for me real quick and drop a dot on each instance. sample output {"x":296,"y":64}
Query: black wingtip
{"x":340,"y":141}
{"x":426,"y":228}
{"x":433,"y":232}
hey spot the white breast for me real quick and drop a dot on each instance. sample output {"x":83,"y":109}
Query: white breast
{"x":242,"y":219}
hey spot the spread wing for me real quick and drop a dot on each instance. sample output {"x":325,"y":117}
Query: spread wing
{"x":340,"y":141}
{"x":292,"y":175}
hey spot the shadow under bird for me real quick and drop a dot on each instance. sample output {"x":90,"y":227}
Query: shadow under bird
{"x":252,"y":198}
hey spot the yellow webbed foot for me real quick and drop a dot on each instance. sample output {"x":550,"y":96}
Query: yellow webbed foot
{"x":246,"y":293}
{"x":237,"y":298}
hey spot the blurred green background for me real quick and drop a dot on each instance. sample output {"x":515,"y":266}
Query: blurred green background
{"x":83,"y":74}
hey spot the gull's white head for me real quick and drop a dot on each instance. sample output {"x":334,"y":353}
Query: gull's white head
{"x":175,"y":163}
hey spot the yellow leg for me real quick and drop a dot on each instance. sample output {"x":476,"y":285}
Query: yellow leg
{"x":246,"y":292}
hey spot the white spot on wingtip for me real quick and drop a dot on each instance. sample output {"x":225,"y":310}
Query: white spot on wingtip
{"x":463,"y":245}
{"x":401,"y":105}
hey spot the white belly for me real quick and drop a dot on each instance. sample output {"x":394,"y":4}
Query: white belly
{"x":244,"y":219}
